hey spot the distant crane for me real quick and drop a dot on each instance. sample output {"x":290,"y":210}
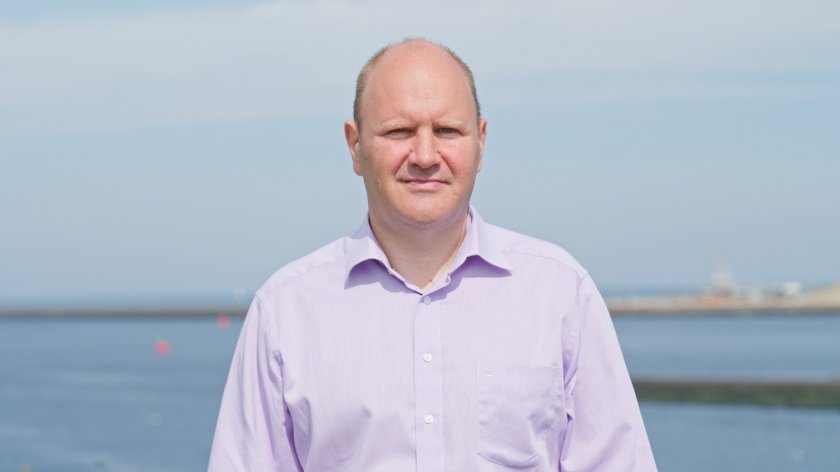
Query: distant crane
{"x":723,"y":282}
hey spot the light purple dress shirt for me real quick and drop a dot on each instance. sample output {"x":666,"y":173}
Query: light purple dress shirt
{"x":508,"y":362}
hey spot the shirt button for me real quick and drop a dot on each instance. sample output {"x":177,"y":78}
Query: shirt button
{"x":427,"y":357}
{"x":428,"y":419}
{"x":427,"y":300}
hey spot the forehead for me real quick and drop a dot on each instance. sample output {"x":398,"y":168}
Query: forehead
{"x":417,"y":78}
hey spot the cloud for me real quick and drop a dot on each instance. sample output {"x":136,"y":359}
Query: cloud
{"x":284,"y":59}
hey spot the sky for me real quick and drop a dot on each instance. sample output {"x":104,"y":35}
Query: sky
{"x":185,"y":150}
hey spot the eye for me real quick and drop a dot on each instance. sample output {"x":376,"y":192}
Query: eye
{"x":447,"y":131}
{"x":398,"y":133}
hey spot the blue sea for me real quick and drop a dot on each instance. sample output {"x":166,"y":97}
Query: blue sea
{"x":92,"y":394}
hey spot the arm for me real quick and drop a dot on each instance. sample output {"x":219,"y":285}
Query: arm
{"x":605,"y":429}
{"x":254,"y":430}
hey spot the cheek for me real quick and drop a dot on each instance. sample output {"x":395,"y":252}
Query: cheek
{"x":387,"y":158}
{"x":463,"y":159}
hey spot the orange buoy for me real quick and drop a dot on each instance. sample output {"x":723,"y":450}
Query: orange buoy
{"x":223,"y":320}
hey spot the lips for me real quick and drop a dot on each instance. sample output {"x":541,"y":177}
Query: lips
{"x":424,"y":184}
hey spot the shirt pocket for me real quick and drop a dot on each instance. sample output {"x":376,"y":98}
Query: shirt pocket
{"x":517,"y":405}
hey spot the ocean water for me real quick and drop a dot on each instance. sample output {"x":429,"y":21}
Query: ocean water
{"x":740,"y":346}
{"x":93,"y":395}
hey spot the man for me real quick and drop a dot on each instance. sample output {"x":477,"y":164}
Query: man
{"x":428,"y":340}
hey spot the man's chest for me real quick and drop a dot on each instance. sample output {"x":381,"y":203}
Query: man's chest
{"x":453,"y":367}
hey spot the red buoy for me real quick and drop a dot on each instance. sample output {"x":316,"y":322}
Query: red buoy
{"x":162,"y":347}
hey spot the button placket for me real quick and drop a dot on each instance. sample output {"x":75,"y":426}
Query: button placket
{"x":428,"y":385}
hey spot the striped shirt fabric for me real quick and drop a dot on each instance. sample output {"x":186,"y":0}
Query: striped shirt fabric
{"x":509,"y":361}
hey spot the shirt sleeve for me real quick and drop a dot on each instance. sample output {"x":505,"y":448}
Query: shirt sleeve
{"x":254,"y":429}
{"x":605,"y":429}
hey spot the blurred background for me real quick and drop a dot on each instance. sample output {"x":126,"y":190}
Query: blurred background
{"x":161,"y":159}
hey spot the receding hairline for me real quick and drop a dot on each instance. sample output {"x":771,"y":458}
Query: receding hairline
{"x":364,"y":74}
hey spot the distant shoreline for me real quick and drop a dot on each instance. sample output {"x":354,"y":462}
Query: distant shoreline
{"x":824,"y":300}
{"x":617,"y":309}
{"x":122,"y":312}
{"x":696,"y":305}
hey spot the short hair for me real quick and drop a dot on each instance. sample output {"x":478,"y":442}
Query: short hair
{"x":362,"y":78}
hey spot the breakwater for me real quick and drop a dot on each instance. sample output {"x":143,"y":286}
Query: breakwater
{"x":788,"y":393}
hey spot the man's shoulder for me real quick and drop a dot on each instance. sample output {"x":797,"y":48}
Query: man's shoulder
{"x":517,"y":245}
{"x":322,"y":262}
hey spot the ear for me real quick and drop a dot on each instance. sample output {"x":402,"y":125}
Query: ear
{"x":482,"y":137}
{"x":351,"y":134}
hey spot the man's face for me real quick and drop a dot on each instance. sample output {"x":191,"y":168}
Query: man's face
{"x":419,"y":144}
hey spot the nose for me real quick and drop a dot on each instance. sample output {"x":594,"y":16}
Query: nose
{"x":424,"y":154}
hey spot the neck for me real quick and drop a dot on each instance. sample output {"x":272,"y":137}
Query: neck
{"x":420,"y":253}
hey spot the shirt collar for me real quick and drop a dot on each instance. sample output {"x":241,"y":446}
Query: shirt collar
{"x":363,"y":247}
{"x":478,"y":241}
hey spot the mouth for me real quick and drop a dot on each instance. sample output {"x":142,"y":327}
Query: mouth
{"x":423,"y":185}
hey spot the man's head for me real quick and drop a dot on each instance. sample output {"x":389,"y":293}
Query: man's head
{"x":417,"y":138}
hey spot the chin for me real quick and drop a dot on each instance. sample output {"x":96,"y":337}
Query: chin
{"x":428,"y":214}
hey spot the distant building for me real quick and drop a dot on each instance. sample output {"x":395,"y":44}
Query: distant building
{"x":723,"y":283}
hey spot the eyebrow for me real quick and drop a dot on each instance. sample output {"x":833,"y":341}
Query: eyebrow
{"x":450,"y":123}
